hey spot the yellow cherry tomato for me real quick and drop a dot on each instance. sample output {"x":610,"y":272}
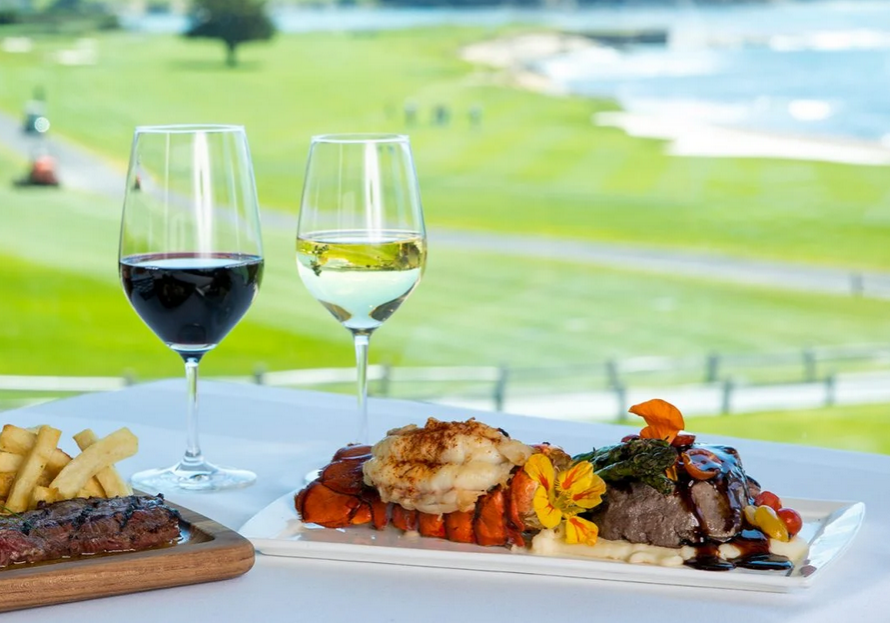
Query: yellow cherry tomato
{"x":771,"y":524}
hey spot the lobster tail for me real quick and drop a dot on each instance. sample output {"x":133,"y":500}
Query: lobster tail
{"x":331,"y":509}
{"x":339,"y":498}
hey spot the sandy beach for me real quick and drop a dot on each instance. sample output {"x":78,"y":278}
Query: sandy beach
{"x":515,"y":60}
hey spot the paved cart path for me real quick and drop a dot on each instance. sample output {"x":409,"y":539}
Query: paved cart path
{"x":84,"y":170}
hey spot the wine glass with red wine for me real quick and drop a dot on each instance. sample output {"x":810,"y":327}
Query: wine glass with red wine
{"x":191,"y":262}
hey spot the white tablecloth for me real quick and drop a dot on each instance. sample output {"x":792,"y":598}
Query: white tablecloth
{"x":281,"y":434}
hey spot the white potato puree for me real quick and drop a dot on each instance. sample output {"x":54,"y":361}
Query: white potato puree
{"x":794,"y":550}
{"x":550,"y":543}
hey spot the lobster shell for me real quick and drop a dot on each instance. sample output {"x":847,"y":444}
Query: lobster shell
{"x":339,"y":498}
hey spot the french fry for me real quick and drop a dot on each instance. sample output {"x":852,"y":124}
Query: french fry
{"x":23,"y":450}
{"x":15,"y":440}
{"x":10,"y":462}
{"x":47,"y":495}
{"x":45,"y":478}
{"x":35,"y":462}
{"x":6,"y":480}
{"x":57,"y":461}
{"x":115,"y":447}
{"x":49,"y":474}
{"x":92,"y":489}
{"x":112,"y":483}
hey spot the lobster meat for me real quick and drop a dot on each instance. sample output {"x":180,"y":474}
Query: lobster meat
{"x":339,"y":498}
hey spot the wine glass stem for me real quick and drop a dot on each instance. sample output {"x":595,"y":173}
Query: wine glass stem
{"x":361,"y":360}
{"x":193,"y":454}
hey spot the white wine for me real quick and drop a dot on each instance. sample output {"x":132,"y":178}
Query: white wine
{"x":361,"y":280}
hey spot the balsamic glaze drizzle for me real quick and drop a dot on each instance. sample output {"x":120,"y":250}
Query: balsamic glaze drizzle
{"x":751,"y":542}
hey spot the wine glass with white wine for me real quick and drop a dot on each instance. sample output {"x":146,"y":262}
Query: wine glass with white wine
{"x":361,"y":240}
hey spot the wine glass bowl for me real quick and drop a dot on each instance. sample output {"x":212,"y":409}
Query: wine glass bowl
{"x":191,"y":261}
{"x":361,"y":280}
{"x":191,"y":302}
{"x":361,"y":238}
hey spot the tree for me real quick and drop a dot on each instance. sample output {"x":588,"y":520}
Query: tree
{"x":233,"y":21}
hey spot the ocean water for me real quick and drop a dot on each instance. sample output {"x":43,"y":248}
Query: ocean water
{"x":814,"y":68}
{"x":809,"y":68}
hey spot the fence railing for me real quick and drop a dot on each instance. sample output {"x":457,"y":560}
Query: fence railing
{"x":63,"y":383}
{"x":738,"y":381}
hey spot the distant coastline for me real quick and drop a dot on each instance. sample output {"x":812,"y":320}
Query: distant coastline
{"x":800,"y":70}
{"x":516,"y":57}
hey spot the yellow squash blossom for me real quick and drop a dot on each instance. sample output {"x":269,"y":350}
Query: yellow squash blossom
{"x":562,"y":496}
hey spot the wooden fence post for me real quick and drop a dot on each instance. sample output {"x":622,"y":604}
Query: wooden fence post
{"x":612,"y":373}
{"x":712,"y":368}
{"x":726,"y":402}
{"x":614,"y":380}
{"x":385,"y":378}
{"x":500,"y":388}
{"x":621,"y":397}
{"x":830,"y":390}
{"x":259,"y":374}
{"x":809,"y":365}
{"x":857,"y":284}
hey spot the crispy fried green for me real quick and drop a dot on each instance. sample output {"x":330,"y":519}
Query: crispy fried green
{"x":644,"y":460}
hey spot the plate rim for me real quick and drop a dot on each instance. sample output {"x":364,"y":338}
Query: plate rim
{"x":555,"y":566}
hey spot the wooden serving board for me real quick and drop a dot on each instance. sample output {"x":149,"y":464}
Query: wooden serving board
{"x":207,"y":552}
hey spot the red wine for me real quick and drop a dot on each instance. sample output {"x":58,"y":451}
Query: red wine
{"x":191,"y":302}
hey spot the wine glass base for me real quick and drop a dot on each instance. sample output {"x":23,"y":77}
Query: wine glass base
{"x":203,"y":477}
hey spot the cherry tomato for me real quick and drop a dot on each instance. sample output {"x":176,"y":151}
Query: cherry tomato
{"x":768,"y":498}
{"x":792,"y":520}
{"x":770,"y":524}
{"x":683,"y":440}
{"x":701,"y":464}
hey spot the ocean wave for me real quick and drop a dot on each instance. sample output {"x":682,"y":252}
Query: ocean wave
{"x":774,"y":113}
{"x":602,"y":63}
{"x":832,"y":41}
{"x":720,"y":113}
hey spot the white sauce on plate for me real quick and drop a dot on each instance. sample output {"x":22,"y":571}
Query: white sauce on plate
{"x":550,"y":543}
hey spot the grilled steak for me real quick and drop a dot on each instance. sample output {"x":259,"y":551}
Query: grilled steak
{"x":638,"y":513}
{"x":694,"y":512}
{"x":87,"y":526}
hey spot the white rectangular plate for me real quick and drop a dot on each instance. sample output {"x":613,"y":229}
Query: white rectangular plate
{"x":829,"y":527}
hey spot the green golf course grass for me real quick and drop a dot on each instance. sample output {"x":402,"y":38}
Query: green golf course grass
{"x":536,"y":165}
{"x":858,"y":427}
{"x":64,"y":311}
